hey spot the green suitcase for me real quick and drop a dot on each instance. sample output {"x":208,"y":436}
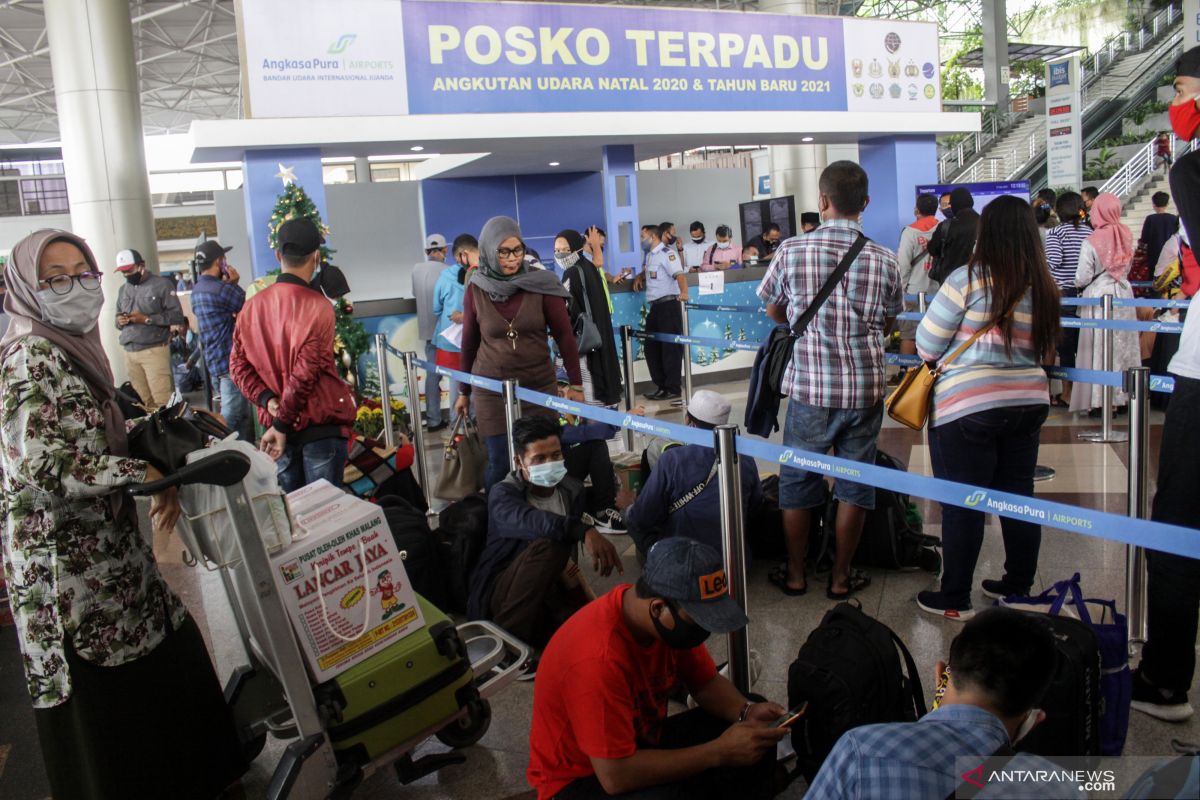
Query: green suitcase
{"x":410,"y":688}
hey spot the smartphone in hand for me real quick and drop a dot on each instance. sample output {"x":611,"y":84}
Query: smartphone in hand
{"x":789,"y":719}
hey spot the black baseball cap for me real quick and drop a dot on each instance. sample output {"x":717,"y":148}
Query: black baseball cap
{"x":692,"y":574}
{"x":299,"y":237}
{"x":210,"y":252}
{"x":1188,"y":64}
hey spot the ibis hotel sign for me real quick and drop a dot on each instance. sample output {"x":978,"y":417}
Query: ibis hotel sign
{"x":384,"y":57}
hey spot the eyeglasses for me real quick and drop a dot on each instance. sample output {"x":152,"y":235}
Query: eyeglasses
{"x":61,"y":284}
{"x":514,"y":252}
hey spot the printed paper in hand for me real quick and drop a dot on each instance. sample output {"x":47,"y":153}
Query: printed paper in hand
{"x":453,"y":334}
{"x":712,"y":282}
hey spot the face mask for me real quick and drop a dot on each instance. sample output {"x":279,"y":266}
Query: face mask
{"x":646,"y":245}
{"x":74,"y":312}
{"x":684,"y":636}
{"x":697,"y":239}
{"x":725,"y":245}
{"x":134,"y":278}
{"x":948,"y":212}
{"x":548,"y":474}
{"x":1027,"y":725}
{"x":567,"y":261}
{"x":668,"y":239}
{"x":1185,"y":119}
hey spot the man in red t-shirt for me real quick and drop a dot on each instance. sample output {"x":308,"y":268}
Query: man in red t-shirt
{"x":600,"y":725}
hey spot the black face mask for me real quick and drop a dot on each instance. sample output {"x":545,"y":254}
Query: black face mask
{"x":948,"y":212}
{"x":134,"y":278}
{"x":684,"y":636}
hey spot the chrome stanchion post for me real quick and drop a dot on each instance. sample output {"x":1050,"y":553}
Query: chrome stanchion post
{"x":512,"y":413}
{"x":1108,"y":356}
{"x":630,"y":388}
{"x":1137,"y":383}
{"x":418,"y":431}
{"x":922,"y":302}
{"x":687,"y":355}
{"x":730,"y":486}
{"x":385,"y":391}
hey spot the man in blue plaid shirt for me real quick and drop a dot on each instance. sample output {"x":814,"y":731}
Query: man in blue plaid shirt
{"x":216,"y":301}
{"x":835,"y":382}
{"x":1003,"y":662}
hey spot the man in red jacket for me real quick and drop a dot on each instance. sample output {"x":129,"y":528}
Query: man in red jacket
{"x":282,"y":361}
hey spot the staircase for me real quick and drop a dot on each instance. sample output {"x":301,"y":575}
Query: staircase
{"x":1001,"y":154}
{"x":1136,"y":208}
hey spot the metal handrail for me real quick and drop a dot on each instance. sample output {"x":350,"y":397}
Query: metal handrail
{"x":1141,"y":166}
{"x":1123,"y":41}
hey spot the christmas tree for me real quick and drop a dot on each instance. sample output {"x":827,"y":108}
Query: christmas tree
{"x":350,"y":337}
{"x":701,"y":357}
{"x":741,"y":334}
{"x":729,"y":348}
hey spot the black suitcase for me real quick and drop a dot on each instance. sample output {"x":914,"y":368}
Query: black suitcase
{"x":410,"y":530}
{"x":1073,"y":703}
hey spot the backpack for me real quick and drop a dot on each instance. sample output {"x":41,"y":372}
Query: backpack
{"x":417,"y":546}
{"x":461,"y":536}
{"x":892,"y":537}
{"x":765,"y":532}
{"x":849,"y":671}
{"x":1073,"y":703}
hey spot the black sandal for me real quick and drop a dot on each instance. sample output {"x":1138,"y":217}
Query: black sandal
{"x":1057,"y":401}
{"x":778,"y":577}
{"x":856,"y":582}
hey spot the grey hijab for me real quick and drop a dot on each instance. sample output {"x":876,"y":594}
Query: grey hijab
{"x":501,"y":287}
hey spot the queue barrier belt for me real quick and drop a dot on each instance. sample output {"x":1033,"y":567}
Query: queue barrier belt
{"x":1091,"y":522}
{"x":1158,"y":383}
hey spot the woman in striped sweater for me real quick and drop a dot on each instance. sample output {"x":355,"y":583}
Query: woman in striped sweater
{"x":990,"y":403}
{"x":1063,"y":243}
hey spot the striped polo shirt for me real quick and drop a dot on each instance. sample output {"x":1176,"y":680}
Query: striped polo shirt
{"x":1062,"y":251}
{"x":984,"y":376}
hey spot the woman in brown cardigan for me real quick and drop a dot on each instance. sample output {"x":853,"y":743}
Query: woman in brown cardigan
{"x":508,"y":309}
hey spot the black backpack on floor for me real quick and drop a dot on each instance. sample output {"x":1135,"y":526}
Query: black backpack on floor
{"x":462,"y":534}
{"x":418,"y":547}
{"x":888,"y":541}
{"x":850,"y":672}
{"x":1073,"y":704}
{"x":766,"y":535}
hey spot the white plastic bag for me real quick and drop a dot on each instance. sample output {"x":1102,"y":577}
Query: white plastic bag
{"x":206,"y":528}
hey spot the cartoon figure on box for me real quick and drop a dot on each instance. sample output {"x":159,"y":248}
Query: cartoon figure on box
{"x":387,"y":594}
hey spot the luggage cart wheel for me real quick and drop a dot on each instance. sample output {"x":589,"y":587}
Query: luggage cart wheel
{"x":468,"y":729}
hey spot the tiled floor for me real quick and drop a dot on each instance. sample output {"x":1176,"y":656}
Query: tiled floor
{"x":1087,"y":474}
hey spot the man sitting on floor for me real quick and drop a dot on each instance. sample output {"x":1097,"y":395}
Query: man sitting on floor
{"x":535,"y":523}
{"x":1001,"y":665}
{"x":600,"y":725}
{"x":680,"y":497}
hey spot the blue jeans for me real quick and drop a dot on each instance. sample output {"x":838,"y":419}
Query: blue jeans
{"x":995,"y":449}
{"x":851,"y":433}
{"x":302,"y":464}
{"x":498,"y":463}
{"x":235,"y":408}
{"x":433,"y":390}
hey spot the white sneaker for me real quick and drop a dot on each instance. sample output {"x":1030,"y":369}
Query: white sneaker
{"x":610,"y":521}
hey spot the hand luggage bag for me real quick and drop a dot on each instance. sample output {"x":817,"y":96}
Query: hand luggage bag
{"x":403,"y":693}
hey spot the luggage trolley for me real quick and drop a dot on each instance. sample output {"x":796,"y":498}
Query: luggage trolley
{"x":273,"y":693}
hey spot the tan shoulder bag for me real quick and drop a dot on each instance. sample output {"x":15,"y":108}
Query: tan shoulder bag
{"x":909,"y":404}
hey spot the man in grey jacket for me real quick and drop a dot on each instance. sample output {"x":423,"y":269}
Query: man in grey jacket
{"x":147,"y":309}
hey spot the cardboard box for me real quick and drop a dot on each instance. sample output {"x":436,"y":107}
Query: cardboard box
{"x":343,"y":575}
{"x":306,"y":498}
{"x":628,"y":467}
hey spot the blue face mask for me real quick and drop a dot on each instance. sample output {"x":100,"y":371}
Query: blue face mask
{"x":646,"y":246}
{"x":548,"y":474}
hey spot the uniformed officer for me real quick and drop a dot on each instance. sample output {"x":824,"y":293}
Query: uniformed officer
{"x":666,"y":285}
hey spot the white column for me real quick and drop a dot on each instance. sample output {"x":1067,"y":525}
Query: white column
{"x":100,"y":125}
{"x":362,"y":169}
{"x":795,"y":169}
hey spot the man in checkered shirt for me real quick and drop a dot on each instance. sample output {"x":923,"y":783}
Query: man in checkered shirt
{"x":835,"y":382}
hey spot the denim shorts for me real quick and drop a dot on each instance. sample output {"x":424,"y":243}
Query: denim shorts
{"x":849,"y":433}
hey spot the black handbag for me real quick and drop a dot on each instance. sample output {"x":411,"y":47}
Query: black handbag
{"x":780,"y":347}
{"x":165,"y":438}
{"x":129,"y":401}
